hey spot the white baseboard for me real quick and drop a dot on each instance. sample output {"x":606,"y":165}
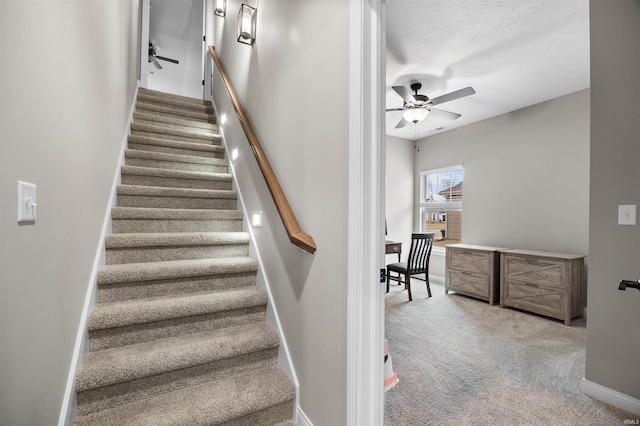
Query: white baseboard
{"x":302,"y":419}
{"x":610,"y":396}
{"x":436,"y":279}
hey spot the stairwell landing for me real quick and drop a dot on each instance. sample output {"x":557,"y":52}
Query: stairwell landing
{"x":179,"y":334}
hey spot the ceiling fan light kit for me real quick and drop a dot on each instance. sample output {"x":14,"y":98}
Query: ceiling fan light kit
{"x":415,"y":115}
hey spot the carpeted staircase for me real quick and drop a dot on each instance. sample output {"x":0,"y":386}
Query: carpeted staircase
{"x":179,"y":334}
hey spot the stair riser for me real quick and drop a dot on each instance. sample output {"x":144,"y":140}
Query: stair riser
{"x":270,"y":416}
{"x":180,"y":151}
{"x":177,"y":202}
{"x":174,"y":130}
{"x":159,"y":225}
{"x":159,"y":254}
{"x":176,"y":286}
{"x":174,"y":103}
{"x":139,"y":333}
{"x":175,"y":165}
{"x":159,"y":94}
{"x":175,"y":112}
{"x":167,"y":182}
{"x":164,"y":119}
{"x":178,"y":138}
{"x":114,"y":395}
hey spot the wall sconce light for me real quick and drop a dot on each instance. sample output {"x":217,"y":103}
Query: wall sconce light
{"x":247,"y":24}
{"x":221,"y":7}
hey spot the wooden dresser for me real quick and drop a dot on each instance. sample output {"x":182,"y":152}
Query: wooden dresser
{"x":549,"y":284}
{"x":473,"y":271}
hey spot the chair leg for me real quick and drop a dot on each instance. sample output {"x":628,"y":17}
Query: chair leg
{"x":426,"y":279}
{"x":388,"y":276}
{"x":407,"y":284}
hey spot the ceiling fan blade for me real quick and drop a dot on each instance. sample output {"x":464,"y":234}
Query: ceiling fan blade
{"x":155,"y":62}
{"x":395,"y":109}
{"x":164,"y":58}
{"x":401,"y":123}
{"x":467,"y":91}
{"x":404,"y":93}
{"x":444,"y":114}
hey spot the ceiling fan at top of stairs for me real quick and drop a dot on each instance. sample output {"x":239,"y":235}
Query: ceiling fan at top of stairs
{"x":416,"y":107}
{"x":153,"y":56}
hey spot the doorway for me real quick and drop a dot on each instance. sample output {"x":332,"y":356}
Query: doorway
{"x":175,"y":44}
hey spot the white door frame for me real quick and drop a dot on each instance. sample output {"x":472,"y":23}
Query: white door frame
{"x":144,"y":43}
{"x":365,"y":294}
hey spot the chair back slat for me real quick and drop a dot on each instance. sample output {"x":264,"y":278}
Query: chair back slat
{"x":420,"y":251}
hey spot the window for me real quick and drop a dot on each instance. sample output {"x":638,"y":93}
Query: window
{"x":441,"y":204}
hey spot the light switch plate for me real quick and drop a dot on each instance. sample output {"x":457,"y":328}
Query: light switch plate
{"x":27,"y":202}
{"x":627,"y":214}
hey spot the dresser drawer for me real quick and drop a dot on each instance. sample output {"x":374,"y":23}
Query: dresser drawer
{"x":469,"y":283}
{"x":534,"y":298}
{"x":543,"y":272}
{"x":470,"y":261}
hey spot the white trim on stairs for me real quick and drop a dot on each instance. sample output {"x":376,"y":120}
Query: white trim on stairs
{"x":302,"y":419}
{"x":80,"y":349}
{"x":611,"y":397}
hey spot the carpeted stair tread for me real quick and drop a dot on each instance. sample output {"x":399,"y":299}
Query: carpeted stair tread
{"x":128,"y":312}
{"x":168,"y":131}
{"x":126,"y":363}
{"x":174,"y":103}
{"x":174,"y":214}
{"x":149,"y":117}
{"x":176,"y":158}
{"x":211,"y":403}
{"x":149,"y":140}
{"x":162,"y":160}
{"x":115,"y":274}
{"x":174,"y":192}
{"x":178,"y":174}
{"x":167,"y":110}
{"x":158,"y":94}
{"x":181,"y":239}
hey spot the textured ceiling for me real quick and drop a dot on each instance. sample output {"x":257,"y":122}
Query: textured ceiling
{"x":513,"y":53}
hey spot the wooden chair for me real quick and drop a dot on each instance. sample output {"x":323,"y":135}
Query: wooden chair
{"x":417,"y":262}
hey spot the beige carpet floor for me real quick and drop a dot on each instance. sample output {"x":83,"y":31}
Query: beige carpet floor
{"x":463,"y":362}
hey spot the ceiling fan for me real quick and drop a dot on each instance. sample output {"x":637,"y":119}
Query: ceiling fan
{"x":416,"y":107}
{"x":153,"y":56}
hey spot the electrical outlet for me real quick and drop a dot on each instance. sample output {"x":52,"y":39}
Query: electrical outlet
{"x":627,"y":214}
{"x":27,"y":202}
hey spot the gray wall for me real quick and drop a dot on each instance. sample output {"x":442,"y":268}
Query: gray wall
{"x":294,"y":84}
{"x":69,"y":72}
{"x":526,"y":176}
{"x":613,"y":338}
{"x":399,"y":181}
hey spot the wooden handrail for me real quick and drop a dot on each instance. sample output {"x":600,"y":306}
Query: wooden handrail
{"x":296,"y":236}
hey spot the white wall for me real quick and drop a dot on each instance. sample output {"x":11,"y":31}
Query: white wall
{"x":399,"y":181}
{"x":526,"y":176}
{"x":68,"y":76}
{"x":294,"y":85}
{"x":613,"y":340}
